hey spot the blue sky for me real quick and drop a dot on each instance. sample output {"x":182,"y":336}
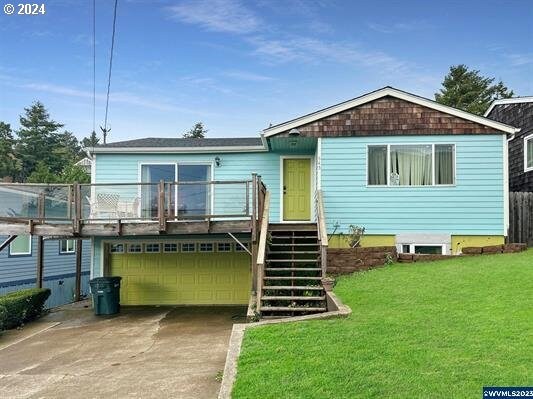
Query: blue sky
{"x":238,"y":65}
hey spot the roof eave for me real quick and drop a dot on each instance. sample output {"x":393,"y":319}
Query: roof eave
{"x":503,"y":101}
{"x":185,"y":150}
{"x":387,"y":91}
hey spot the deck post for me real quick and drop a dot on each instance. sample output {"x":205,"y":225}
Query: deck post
{"x":254,"y":207}
{"x":40,"y":262}
{"x":77,"y":207}
{"x":79,"y":249}
{"x":161,"y":207}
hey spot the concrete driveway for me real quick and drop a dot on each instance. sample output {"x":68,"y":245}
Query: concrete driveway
{"x":145,"y":352}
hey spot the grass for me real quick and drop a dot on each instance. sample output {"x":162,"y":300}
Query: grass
{"x":426,"y":330}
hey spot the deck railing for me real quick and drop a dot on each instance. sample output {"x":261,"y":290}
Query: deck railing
{"x":322,"y":232}
{"x":261,"y":250}
{"x":134,"y":202}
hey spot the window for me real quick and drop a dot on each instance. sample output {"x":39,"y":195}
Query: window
{"x":193,"y":199}
{"x":67,"y":246}
{"x":424,"y":249}
{"x":528,"y":153}
{"x":152,"y":248}
{"x":116,"y":248}
{"x":170,"y":247}
{"x":224,"y":247}
{"x":411,"y":165}
{"x":20,"y":245}
{"x":239,"y":248}
{"x":135,"y":248}
{"x":206,"y":247}
{"x":188,"y":247}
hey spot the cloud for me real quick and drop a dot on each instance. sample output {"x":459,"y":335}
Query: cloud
{"x":249,"y":76}
{"x":115,"y":97}
{"x":397,"y":27}
{"x":517,"y":59}
{"x":304,"y":49}
{"x":229,"y":16}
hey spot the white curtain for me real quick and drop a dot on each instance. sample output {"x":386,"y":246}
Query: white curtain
{"x":411,"y":164}
{"x":377,"y":165}
{"x":444,"y":173}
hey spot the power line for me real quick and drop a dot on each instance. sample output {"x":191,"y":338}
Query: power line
{"x":105,"y":130}
{"x":94,"y":66}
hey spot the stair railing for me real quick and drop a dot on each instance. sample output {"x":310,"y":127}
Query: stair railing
{"x":261,"y":250}
{"x":322,"y":232}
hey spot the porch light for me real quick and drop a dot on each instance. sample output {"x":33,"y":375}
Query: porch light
{"x":294,"y":133}
{"x":217,"y":161}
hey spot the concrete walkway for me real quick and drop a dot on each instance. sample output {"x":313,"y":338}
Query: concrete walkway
{"x":145,"y":352}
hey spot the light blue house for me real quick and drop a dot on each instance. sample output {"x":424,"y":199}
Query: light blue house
{"x":18,"y":267}
{"x":184,"y":221}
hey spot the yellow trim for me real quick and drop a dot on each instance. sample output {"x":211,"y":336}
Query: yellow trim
{"x":187,"y":278}
{"x":339,"y":241}
{"x":459,"y":242}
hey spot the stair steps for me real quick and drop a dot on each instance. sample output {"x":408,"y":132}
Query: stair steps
{"x":293,"y":262}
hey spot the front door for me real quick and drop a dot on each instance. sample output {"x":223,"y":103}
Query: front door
{"x":297,"y":189}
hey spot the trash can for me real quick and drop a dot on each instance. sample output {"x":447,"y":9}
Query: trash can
{"x":106,"y":295}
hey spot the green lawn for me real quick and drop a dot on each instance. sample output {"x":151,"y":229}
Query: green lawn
{"x":426,"y":330}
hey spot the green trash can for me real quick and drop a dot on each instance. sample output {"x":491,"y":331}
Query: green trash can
{"x":106,"y":295}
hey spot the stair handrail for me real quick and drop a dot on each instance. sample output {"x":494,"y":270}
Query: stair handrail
{"x":322,"y":232}
{"x":261,"y":250}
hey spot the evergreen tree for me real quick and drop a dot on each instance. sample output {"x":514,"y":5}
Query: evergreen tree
{"x":198,"y":131}
{"x":90,"y":141}
{"x":470,"y":91}
{"x":9,"y":164}
{"x":37,"y":138}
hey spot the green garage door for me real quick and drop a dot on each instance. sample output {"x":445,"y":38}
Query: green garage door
{"x":163,"y":274}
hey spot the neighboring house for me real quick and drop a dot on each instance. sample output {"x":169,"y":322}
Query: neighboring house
{"x":86,"y":164}
{"x":18,"y":267}
{"x":517,"y":112}
{"x":170,"y":215}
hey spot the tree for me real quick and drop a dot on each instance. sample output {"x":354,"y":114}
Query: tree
{"x":91,"y":141}
{"x":198,"y":131}
{"x":9,"y":164}
{"x":38,"y":137}
{"x":68,"y":149}
{"x":71,"y":174}
{"x":470,"y":91}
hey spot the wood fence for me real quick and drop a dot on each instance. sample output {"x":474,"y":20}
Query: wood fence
{"x":521,"y":217}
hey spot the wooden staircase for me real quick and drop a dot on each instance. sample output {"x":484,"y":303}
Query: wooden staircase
{"x":291,"y":280}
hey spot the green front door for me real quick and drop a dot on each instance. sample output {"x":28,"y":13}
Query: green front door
{"x":297,"y":189}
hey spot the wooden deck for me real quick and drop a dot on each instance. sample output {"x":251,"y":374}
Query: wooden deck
{"x":109,"y":229}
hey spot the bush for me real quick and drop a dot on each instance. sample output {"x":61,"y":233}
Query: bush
{"x":21,"y":306}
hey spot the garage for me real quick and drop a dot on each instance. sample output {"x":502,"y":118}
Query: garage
{"x":180,"y":273}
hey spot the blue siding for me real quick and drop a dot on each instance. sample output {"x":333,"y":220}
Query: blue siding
{"x":112,"y":168}
{"x":474,"y":206}
{"x":19,"y":272}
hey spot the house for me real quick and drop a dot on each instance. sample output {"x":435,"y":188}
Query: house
{"x":517,"y":112}
{"x":18,"y":267}
{"x":85,"y":163}
{"x":207,"y":221}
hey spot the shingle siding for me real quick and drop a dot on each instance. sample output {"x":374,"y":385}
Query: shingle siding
{"x":518,"y":115}
{"x":390,"y":116}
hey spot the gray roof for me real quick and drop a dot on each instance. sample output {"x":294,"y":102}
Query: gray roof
{"x":161,"y":142}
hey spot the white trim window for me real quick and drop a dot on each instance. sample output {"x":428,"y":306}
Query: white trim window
{"x":67,"y":247}
{"x":188,"y":247}
{"x":205,"y":247}
{"x":152,"y":248}
{"x":528,"y":153}
{"x":224,"y":247}
{"x":423,"y":249}
{"x":135,"y":248}
{"x":116,"y":248}
{"x":20,"y":246}
{"x":170,"y":247}
{"x":414,"y":165}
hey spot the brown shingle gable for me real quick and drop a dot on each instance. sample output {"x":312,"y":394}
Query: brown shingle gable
{"x":389,"y":116}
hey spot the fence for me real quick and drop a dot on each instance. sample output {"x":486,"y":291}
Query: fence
{"x":521,"y":218}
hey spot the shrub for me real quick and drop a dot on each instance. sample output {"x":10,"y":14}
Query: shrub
{"x":21,"y":306}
